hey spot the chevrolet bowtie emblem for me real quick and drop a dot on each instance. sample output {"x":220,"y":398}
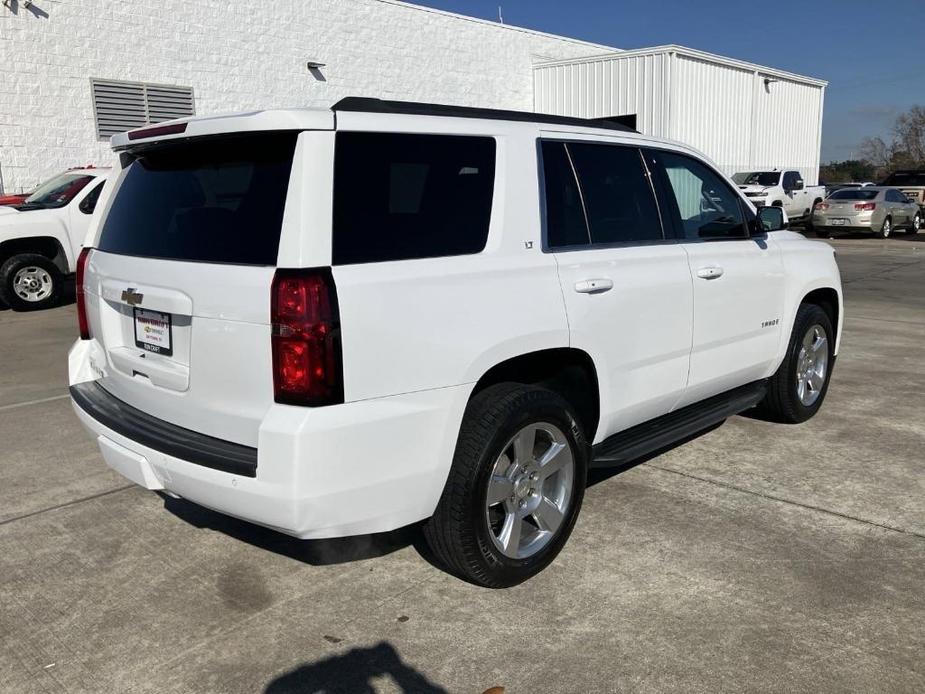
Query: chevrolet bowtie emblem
{"x":131,"y":297}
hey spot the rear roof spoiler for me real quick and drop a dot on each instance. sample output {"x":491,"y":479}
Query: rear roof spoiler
{"x":361,"y":104}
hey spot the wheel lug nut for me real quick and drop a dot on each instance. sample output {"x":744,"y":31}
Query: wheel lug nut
{"x":534,"y":477}
{"x":523,"y":503}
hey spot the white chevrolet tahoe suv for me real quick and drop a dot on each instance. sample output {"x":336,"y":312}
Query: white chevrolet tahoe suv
{"x":40,"y":238}
{"x":342,"y":322}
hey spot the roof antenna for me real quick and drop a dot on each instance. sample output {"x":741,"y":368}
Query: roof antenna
{"x":500,"y":16}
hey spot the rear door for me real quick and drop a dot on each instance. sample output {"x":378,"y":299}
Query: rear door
{"x":179,"y":283}
{"x":627,"y":288}
{"x":795,"y":204}
{"x":738,"y":281}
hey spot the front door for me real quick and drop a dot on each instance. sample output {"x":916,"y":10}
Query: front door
{"x":738,"y":281}
{"x":627,"y":289}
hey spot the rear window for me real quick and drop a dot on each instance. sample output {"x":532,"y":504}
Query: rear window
{"x":854,"y":194}
{"x":399,"y":196}
{"x":218,"y":200}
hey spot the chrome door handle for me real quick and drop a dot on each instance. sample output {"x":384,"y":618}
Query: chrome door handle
{"x":593,"y":286}
{"x":710,"y":273}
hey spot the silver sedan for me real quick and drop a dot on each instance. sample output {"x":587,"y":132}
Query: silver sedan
{"x":874,"y":209}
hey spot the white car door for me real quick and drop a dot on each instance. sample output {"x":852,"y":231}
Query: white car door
{"x":627,"y":289}
{"x":738,"y":280}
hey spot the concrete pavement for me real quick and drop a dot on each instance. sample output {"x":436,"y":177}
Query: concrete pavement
{"x":756,"y":557}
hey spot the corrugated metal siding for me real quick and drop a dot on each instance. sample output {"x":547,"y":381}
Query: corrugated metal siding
{"x":787,"y":117}
{"x":724,"y":110}
{"x":712,"y":111}
{"x":607,"y":87}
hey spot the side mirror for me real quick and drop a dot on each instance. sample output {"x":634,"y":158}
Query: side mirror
{"x":798,"y":184}
{"x":771,"y":219}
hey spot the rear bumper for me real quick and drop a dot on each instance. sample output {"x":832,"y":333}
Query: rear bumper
{"x":350,"y":469}
{"x":162,"y":436}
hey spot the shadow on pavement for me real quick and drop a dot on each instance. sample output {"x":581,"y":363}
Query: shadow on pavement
{"x":354,"y":672}
{"x":338,"y":550}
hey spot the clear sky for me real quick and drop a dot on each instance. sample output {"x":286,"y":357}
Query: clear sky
{"x":872,"y":53}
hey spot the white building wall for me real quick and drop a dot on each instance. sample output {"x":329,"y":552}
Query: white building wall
{"x":604,"y":86}
{"x":720,"y":106}
{"x":240,"y":55}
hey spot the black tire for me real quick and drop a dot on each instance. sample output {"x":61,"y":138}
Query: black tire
{"x":14,"y":265}
{"x":782,"y":402}
{"x":459,"y":533}
{"x":886,"y":229}
{"x":915,"y":224}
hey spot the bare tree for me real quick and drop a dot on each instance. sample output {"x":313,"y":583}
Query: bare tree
{"x":876,"y":152}
{"x":909,"y":135}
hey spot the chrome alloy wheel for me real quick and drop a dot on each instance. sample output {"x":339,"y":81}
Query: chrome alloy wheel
{"x":917,"y":223}
{"x":530,"y":490}
{"x":812,"y":365}
{"x":32,"y":284}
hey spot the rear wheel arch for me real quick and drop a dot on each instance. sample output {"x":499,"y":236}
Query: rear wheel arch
{"x":567,"y":371}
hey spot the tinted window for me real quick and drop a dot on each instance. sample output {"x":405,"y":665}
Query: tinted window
{"x":790,"y":180}
{"x":565,"y":217}
{"x":219,"y":200}
{"x":854,"y":194}
{"x":398,"y":197}
{"x":88,"y":204}
{"x":618,"y":199}
{"x":758,"y":178}
{"x":906,"y":178}
{"x":610,"y":202}
{"x":707,"y":207}
{"x":895,"y":196}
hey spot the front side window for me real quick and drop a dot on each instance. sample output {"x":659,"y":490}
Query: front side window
{"x":401,"y":196}
{"x":597,"y":194}
{"x":705,"y":205}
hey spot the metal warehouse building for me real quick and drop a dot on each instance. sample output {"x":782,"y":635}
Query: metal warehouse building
{"x":76,"y":71}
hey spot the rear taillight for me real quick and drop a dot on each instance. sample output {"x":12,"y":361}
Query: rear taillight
{"x":82,"y":321}
{"x":821,"y":206}
{"x":865,"y":206}
{"x":307,"y":368}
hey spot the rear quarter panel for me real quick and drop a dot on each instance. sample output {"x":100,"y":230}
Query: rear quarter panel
{"x":413,"y":325}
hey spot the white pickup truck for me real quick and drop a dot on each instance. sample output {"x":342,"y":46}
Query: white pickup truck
{"x":781,"y":189}
{"x":41,"y":237}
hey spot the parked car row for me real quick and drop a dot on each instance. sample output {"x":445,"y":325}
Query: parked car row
{"x":875,"y":209}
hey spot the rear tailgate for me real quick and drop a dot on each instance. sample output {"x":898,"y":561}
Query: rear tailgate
{"x":178,"y":290}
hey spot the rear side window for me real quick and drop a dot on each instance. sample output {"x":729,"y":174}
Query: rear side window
{"x":597,"y":194}
{"x":400,"y":196}
{"x":217,"y":200}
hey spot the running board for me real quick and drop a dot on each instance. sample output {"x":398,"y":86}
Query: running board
{"x":663,"y":431}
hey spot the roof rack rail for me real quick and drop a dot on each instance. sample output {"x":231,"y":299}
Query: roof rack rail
{"x":415,"y":108}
